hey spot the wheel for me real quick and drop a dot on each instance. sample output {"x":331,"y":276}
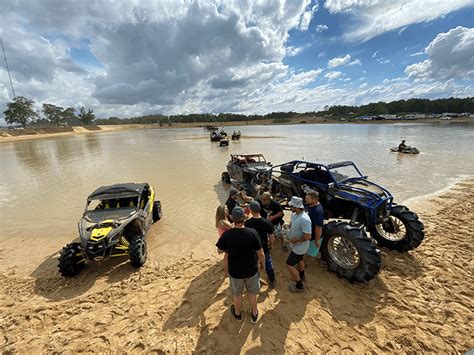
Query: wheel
{"x":225,"y":177}
{"x":157,"y":212}
{"x":403,"y":230}
{"x":349,"y":252}
{"x":138,"y":251}
{"x":71,"y":261}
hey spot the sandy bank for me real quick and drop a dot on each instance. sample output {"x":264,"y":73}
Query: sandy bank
{"x":18,"y":135}
{"x":420,"y":302}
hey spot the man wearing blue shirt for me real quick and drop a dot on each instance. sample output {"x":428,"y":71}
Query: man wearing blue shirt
{"x":316,"y":214}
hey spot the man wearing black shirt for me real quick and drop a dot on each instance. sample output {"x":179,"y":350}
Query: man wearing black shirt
{"x":264,"y":229}
{"x":232,"y":201}
{"x":245,"y":254}
{"x":271,"y":209}
{"x":316,"y":214}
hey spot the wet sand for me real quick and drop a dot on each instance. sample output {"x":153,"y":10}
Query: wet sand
{"x":420,"y":302}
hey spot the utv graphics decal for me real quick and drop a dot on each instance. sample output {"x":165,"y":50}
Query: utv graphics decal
{"x":100,"y":233}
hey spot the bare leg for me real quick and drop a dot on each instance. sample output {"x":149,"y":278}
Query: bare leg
{"x":253,"y":303}
{"x":226,"y":264}
{"x":237,"y":303}
{"x":295,"y":275}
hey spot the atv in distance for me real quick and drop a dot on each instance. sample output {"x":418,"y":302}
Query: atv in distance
{"x":249,"y":172}
{"x":345,"y":193}
{"x":406,"y":150}
{"x":115,"y":222}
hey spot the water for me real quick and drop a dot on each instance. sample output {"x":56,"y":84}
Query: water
{"x":44,"y":183}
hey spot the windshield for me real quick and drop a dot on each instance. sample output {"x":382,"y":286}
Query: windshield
{"x":344,"y":172}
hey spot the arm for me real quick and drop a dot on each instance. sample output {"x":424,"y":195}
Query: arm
{"x":305,"y":237}
{"x":318,"y":231}
{"x":275,"y":216}
{"x":271,"y":239}
{"x":261,"y":258}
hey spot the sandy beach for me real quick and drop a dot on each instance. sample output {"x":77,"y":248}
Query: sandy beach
{"x":420,"y":302}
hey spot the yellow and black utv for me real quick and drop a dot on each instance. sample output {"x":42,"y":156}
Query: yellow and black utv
{"x":115,"y":222}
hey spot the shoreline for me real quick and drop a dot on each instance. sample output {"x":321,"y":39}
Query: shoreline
{"x":6,"y":137}
{"x":183,"y":306}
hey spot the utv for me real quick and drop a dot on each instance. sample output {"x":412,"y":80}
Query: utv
{"x":250,"y":172}
{"x":345,"y":193}
{"x":115,"y":222}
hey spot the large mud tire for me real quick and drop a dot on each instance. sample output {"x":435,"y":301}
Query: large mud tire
{"x":157,"y":211}
{"x":138,"y":251}
{"x":71,"y":261}
{"x":407,"y":236}
{"x":339,"y":239}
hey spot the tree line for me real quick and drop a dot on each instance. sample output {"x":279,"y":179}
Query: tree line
{"x":20,"y":111}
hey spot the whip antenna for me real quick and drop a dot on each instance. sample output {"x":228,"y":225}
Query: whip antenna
{"x":8,"y":70}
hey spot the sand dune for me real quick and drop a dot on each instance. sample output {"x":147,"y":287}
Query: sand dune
{"x":420,"y":302}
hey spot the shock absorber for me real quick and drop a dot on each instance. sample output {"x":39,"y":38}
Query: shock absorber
{"x":354,"y":215}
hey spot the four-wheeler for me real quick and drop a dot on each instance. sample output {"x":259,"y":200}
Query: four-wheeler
{"x":347,"y":194}
{"x":115,"y":222}
{"x":250,"y":172}
{"x":236,"y":136}
{"x":406,"y":150}
{"x":224,"y":142}
{"x":215,"y":136}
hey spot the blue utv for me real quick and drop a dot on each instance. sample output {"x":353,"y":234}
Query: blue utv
{"x":346,"y":193}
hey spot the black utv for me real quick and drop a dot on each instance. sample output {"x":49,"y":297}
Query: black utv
{"x":115,"y":222}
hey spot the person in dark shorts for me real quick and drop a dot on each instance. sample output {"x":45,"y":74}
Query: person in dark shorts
{"x":245,"y":252}
{"x":264,"y":229}
{"x":316,"y":214}
{"x":299,"y":236}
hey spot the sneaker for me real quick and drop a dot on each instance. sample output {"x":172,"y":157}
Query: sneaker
{"x":237,"y":317}
{"x":302,"y":276}
{"x":293,"y":288}
{"x":254,"y":318}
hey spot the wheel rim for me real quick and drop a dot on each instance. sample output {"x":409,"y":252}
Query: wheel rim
{"x":343,"y":252}
{"x":400,"y":230}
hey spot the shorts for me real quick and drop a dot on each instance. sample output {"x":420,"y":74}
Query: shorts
{"x":252,"y":284}
{"x":313,"y":250}
{"x":294,"y":259}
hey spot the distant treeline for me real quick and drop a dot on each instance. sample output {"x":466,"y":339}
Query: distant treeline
{"x":400,"y":107}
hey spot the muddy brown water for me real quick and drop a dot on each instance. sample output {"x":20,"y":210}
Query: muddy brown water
{"x":44,"y":183}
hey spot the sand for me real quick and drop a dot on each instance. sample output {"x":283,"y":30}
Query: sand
{"x":420,"y":301}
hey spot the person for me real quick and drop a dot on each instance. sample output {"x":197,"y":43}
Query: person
{"x":402,"y":146}
{"x":245,"y":252}
{"x":222,"y":224}
{"x":264,"y":229}
{"x":232,"y":201}
{"x":299,"y":236}
{"x":270,"y":209}
{"x":316,"y":215}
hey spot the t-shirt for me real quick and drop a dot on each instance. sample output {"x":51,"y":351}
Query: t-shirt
{"x":242,"y":245}
{"x":230,"y":203}
{"x":300,"y":224}
{"x":270,"y":210}
{"x":316,"y":214}
{"x":263,"y":227}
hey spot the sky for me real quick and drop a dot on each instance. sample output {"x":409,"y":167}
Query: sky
{"x":135,"y":57}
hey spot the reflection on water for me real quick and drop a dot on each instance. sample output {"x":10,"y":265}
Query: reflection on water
{"x":44,"y":183}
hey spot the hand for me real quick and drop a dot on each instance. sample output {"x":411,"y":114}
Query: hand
{"x":317,"y":243}
{"x":261,"y":265}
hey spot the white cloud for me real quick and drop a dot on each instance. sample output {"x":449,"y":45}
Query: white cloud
{"x":374,"y":17}
{"x":375,"y":54}
{"x":355,"y":62}
{"x":307,"y":17}
{"x":450,"y":55}
{"x":338,"y":61}
{"x":417,"y":54}
{"x":321,"y":28}
{"x":322,"y":54}
{"x":292,"y":51}
{"x":333,"y":75}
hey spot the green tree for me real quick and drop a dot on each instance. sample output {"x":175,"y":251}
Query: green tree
{"x":20,"y":111}
{"x":86,"y":117}
{"x":54,"y":114}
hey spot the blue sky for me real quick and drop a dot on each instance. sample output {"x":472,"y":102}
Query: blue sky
{"x":130,"y":58}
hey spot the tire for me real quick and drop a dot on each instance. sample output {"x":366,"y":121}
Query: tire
{"x":157,"y":212}
{"x":364,"y":263}
{"x":225,"y":177}
{"x":71,"y":261}
{"x":405,"y":231}
{"x":138,"y":251}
